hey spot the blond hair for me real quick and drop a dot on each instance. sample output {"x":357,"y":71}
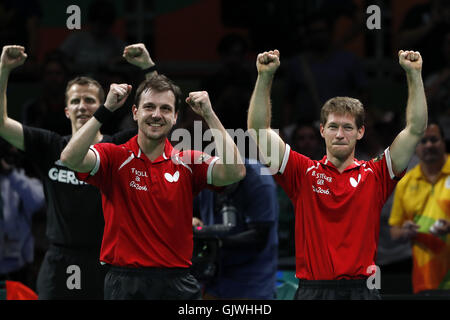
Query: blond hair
{"x":341,"y":106}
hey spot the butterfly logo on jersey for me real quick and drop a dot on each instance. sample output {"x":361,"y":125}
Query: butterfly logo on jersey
{"x":353,"y":181}
{"x":172,"y":178}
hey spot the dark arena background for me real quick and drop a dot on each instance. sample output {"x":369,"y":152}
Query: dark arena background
{"x":212,"y":45}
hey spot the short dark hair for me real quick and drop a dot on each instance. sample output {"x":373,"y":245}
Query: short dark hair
{"x":159,"y":83}
{"x":85,"y":81}
{"x":438,"y":124}
{"x":343,"y":105}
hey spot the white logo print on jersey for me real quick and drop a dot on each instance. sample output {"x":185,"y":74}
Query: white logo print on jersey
{"x":353,"y":181}
{"x":172,"y":178}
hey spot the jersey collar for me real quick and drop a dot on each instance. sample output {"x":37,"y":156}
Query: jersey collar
{"x":326,"y":162}
{"x":417,"y":173}
{"x":166,"y":155}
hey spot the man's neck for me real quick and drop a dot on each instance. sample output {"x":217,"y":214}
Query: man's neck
{"x":151,"y":148}
{"x":341,"y":164}
{"x":432,"y":170}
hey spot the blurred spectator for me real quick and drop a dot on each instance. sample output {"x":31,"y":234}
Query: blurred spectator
{"x":437,"y":87}
{"x":306,"y":140}
{"x":318,"y":73}
{"x":231,"y":86}
{"x":97,"y":47}
{"x":47,"y":111}
{"x":425,"y":25}
{"x":19,"y":24}
{"x":241,"y":226}
{"x":20,"y":198}
{"x":421,"y":213}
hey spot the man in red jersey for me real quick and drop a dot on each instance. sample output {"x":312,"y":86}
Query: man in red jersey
{"x":147,"y":190}
{"x":337,"y":199}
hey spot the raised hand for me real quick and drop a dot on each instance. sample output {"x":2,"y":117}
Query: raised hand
{"x":268,"y":62}
{"x":138,"y":55}
{"x":410,"y":60}
{"x":12,"y":57}
{"x":200,"y":103}
{"x":117,"y":95}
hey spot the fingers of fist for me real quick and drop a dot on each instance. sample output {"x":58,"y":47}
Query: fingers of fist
{"x":268,"y":57}
{"x":133,"y":51}
{"x":409,"y":55}
{"x":197,"y":98}
{"x":120,"y":90}
{"x":14,"y":52}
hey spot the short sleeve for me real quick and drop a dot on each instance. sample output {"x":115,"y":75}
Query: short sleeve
{"x":43,"y":146}
{"x":290,"y":172}
{"x":200,"y":164}
{"x":382,"y":167}
{"x":101,"y":173}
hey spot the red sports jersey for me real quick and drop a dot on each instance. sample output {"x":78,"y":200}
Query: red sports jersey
{"x":148,"y":205}
{"x":337,"y":215}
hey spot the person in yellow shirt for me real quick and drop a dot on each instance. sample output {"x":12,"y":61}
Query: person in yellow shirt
{"x":421,"y":213}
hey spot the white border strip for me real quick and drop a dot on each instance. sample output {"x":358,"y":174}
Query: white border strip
{"x":209,"y":173}
{"x":126,"y":161}
{"x":387,"y":153}
{"x":97,"y":162}
{"x":285,"y":159}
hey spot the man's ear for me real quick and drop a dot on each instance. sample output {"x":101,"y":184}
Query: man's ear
{"x":361,"y":132}
{"x":66,"y":111}
{"x":321,"y":130}
{"x":134,"y":111}
{"x":176,"y":117}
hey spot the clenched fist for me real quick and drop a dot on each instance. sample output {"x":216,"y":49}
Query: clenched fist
{"x":12,"y":57}
{"x":268,"y":62}
{"x":117,"y":95}
{"x":200,"y":103}
{"x":138,"y":55}
{"x":410,"y":60}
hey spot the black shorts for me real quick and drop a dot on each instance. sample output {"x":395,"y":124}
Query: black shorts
{"x":335,"y":290}
{"x":69,"y":274}
{"x":151,"y":284}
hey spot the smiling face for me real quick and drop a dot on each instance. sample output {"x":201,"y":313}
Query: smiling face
{"x":82,"y":101}
{"x":341,"y":134}
{"x":431,"y":147}
{"x":155,"y":113}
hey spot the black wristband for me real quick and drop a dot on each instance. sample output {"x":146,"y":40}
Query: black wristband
{"x":103,"y":114}
{"x":150,"y":69}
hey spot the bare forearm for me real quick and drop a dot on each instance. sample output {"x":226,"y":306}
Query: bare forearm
{"x":229,"y":157}
{"x":416,"y":110}
{"x":78,"y":146}
{"x":259,"y":113}
{"x":4,"y":75}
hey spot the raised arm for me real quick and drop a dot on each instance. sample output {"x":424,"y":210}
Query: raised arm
{"x":271,"y":146}
{"x":405,"y":143}
{"x":138,"y":55}
{"x":77,"y":155}
{"x":229,"y":168}
{"x":10,"y":129}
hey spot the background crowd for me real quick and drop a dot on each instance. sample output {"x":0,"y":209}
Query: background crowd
{"x":326,"y":50}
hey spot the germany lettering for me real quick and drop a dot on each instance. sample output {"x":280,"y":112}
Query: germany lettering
{"x":64,"y":176}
